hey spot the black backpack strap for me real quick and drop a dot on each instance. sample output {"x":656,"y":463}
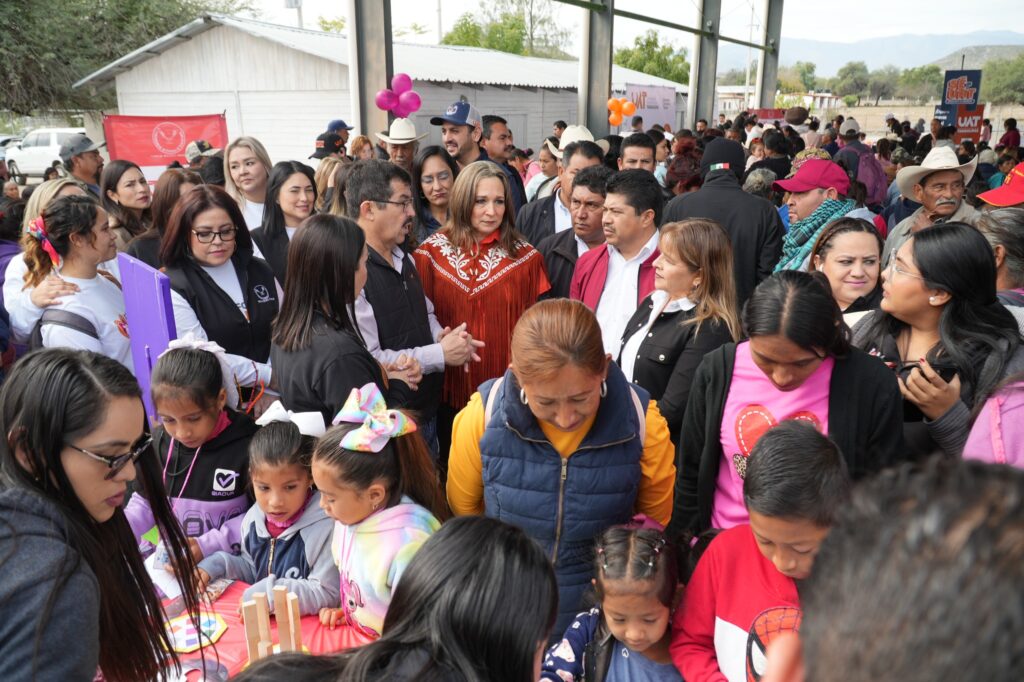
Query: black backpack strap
{"x":62,"y":318}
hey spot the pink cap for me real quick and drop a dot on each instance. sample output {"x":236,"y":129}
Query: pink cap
{"x":816,"y":174}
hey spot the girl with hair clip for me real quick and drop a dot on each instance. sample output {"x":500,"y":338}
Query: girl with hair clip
{"x":291,"y":198}
{"x":72,"y":238}
{"x":173,"y":184}
{"x":126,"y":198}
{"x":202,"y":449}
{"x":942,"y":329}
{"x":286,"y":536}
{"x":376,"y":480}
{"x":246,"y":173}
{"x":797,"y":363}
{"x":849,"y":253}
{"x":626,"y":637}
{"x":75,"y":599}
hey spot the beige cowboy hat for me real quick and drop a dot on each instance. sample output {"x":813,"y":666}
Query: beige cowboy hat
{"x":402,"y":131}
{"x":575,"y":134}
{"x":938,"y":159}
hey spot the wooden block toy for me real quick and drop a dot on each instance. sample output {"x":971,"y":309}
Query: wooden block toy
{"x":266,"y":648}
{"x":284,"y":634}
{"x":263,"y":615}
{"x":294,"y":622}
{"x":250,"y":619}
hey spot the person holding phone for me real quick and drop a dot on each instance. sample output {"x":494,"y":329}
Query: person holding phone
{"x":943,"y":330}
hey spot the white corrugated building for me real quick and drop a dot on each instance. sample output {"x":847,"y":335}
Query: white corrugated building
{"x":283,"y":84}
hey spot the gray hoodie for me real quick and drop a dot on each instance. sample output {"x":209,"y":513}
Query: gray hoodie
{"x":37,"y":562}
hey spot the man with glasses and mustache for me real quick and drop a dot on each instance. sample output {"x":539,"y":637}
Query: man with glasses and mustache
{"x":394,"y":316}
{"x":938,"y":185}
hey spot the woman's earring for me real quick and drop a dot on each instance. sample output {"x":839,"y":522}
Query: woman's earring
{"x":931,"y":299}
{"x":604,"y":388}
{"x":522,"y":396}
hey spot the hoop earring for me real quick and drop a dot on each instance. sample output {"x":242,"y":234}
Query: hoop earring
{"x":604,"y":388}
{"x":522,"y":396}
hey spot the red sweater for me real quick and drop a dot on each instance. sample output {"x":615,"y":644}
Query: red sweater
{"x":735,"y":604}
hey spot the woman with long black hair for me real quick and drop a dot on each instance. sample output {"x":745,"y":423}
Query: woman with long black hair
{"x":291,"y":198}
{"x":127,"y":200}
{"x":943,"y":330}
{"x":75,"y":598}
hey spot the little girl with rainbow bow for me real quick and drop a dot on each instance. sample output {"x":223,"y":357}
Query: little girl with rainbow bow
{"x":377,"y":481}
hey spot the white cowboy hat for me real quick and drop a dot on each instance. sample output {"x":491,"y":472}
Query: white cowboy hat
{"x":402,"y":131}
{"x":939,"y":158}
{"x":575,"y":134}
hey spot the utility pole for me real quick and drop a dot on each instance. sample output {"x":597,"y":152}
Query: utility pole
{"x":440,"y":26}
{"x":297,"y":6}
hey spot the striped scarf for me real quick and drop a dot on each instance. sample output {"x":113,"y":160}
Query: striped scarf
{"x":797,"y":244}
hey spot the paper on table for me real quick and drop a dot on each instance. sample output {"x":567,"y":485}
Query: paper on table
{"x":161,"y":577}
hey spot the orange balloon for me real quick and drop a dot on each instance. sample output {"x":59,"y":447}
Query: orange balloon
{"x":628,"y":109}
{"x":615,"y":119}
{"x":614,"y":105}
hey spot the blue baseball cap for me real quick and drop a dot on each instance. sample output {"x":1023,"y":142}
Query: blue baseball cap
{"x":459,"y":113}
{"x":336,"y":125}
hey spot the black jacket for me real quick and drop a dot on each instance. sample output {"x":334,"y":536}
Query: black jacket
{"x":274,"y":249}
{"x":146,"y":248}
{"x":669,"y":357}
{"x":865,"y":419}
{"x":320,"y":377}
{"x":537,"y":219}
{"x":223,"y":322}
{"x":400,"y":309}
{"x":752,"y":223}
{"x":560,"y":255}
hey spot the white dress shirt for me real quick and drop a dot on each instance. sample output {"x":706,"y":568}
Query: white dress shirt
{"x":563,"y":218}
{"x":619,"y":297}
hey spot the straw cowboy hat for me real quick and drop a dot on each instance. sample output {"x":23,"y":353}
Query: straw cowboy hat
{"x":402,"y":132}
{"x":938,"y":159}
{"x":575,"y":134}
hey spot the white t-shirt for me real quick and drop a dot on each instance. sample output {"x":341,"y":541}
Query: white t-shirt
{"x":619,"y":297}
{"x":101,"y":302}
{"x":226,"y":278}
{"x":253,"y":213}
{"x":290,"y":231}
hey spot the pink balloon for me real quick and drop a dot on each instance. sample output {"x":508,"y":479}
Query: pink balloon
{"x":401,"y":83}
{"x":386,"y":100}
{"x":400,"y":111}
{"x":410,"y":101}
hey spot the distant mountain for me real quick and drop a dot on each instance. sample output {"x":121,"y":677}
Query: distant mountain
{"x":974,"y":57}
{"x":903,"y":50}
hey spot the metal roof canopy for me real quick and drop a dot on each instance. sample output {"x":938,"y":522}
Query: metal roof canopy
{"x":596,"y":58}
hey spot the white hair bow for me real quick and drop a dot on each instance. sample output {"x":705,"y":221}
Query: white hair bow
{"x":227,"y":374}
{"x":309,"y":423}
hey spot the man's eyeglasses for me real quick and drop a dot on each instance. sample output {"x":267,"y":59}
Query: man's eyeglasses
{"x":208,"y":237}
{"x":117,"y":462}
{"x":404,"y":204}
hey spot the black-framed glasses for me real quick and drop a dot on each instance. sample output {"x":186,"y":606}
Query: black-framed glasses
{"x":117,"y":462}
{"x":404,"y":204}
{"x":208,"y":237}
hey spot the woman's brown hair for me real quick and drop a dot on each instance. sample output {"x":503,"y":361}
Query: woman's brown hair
{"x":553,"y":334}
{"x":323,"y":173}
{"x":167,"y":193}
{"x":705,"y":247}
{"x":459,"y":228}
{"x":176,"y":244}
{"x":837,"y":227}
{"x":63,"y":218}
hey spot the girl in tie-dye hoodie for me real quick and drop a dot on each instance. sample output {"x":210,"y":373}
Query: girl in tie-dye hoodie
{"x":377,"y":482}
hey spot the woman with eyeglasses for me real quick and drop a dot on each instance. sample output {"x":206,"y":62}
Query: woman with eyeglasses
{"x":76,"y":602}
{"x":942,"y":329}
{"x":433,"y":174}
{"x":220,"y":291}
{"x":796,"y":363}
{"x":71,"y":239}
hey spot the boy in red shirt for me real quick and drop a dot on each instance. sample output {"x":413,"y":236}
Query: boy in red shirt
{"x":744,"y":590}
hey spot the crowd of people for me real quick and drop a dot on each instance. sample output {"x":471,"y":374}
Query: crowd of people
{"x":641,"y":407}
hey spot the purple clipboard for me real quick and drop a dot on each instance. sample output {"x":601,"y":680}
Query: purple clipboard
{"x":147,"y":306}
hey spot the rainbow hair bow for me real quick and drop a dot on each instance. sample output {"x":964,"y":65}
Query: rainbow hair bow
{"x":37,"y":229}
{"x":366,"y":406}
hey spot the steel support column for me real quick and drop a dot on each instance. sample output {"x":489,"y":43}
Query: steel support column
{"x":370,"y":64}
{"x":768,"y":65}
{"x":595,"y":84}
{"x":700,"y":103}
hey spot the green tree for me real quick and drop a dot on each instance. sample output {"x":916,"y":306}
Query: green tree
{"x":921,"y":82}
{"x":519,"y":27}
{"x":47,"y":46}
{"x":650,"y":56}
{"x":506,"y":33}
{"x":335,"y":25}
{"x":737,"y":77}
{"x":883,"y":82}
{"x":852,"y":79}
{"x":466,"y":31}
{"x":805,"y":72}
{"x":1002,"y":80}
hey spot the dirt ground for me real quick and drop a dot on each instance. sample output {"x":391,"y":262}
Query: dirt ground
{"x":872,"y":119}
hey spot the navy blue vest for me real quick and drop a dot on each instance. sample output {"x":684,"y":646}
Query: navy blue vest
{"x":563,"y":504}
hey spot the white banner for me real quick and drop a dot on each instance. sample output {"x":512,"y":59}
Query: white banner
{"x":654,"y":103}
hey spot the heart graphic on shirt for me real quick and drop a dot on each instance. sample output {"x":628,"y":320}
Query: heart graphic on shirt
{"x":751,"y":424}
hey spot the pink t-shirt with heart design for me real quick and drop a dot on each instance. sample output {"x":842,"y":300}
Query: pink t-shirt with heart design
{"x":752,"y":407}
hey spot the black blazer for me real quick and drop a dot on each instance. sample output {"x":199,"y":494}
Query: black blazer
{"x":669,"y":357}
{"x":275,"y":250}
{"x":560,"y":255}
{"x":537,"y":219}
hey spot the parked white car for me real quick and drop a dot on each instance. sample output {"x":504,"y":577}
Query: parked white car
{"x":37,"y":152}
